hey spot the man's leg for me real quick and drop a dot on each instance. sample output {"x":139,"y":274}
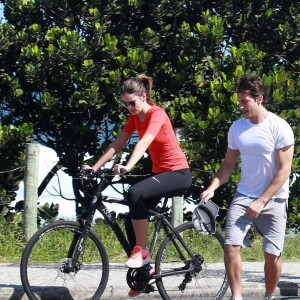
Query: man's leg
{"x":233,"y":265}
{"x":272,"y":272}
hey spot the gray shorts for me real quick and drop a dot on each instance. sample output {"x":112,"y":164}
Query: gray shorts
{"x":270,"y":223}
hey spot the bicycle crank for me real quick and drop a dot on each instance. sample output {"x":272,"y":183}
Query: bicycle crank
{"x":138,"y":279}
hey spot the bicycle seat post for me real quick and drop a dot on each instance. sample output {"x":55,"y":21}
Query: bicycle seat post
{"x":164,"y":203}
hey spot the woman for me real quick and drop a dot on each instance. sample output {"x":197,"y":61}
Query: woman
{"x":170,"y":170}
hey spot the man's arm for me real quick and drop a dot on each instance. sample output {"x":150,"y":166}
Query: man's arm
{"x":223,"y":173}
{"x":284,"y":160}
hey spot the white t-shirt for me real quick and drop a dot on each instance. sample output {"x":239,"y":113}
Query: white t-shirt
{"x":257,"y":144}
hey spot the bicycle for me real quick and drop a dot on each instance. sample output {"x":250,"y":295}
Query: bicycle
{"x":75,"y":263}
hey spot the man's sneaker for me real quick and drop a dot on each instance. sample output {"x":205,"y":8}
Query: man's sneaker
{"x":235,"y":298}
{"x":138,"y":258}
{"x":133,"y":293}
{"x":272,"y":297}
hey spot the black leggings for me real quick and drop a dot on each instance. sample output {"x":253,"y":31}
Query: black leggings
{"x":147,"y":193}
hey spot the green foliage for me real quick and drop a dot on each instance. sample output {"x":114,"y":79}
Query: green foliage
{"x":13,"y":141}
{"x":12,"y":243}
{"x":12,"y":240}
{"x":62,"y":63}
{"x":47,"y":213}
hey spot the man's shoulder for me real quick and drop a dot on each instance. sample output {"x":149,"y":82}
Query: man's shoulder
{"x":277,"y":120}
{"x":281,"y":129}
{"x":240,"y":121}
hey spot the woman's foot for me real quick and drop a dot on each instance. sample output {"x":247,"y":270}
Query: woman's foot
{"x":138,"y":258}
{"x":133,"y":293}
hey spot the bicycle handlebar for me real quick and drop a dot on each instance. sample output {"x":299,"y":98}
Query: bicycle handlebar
{"x":95,"y":174}
{"x":101,"y":172}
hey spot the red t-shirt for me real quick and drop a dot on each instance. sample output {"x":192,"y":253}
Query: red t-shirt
{"x":165,"y":152}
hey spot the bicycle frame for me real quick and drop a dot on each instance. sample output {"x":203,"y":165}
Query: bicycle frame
{"x":186,"y":259}
{"x":97,"y":204}
{"x":168,"y":228}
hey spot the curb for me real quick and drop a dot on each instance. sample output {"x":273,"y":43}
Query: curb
{"x":115,"y":292}
{"x":252,"y":283}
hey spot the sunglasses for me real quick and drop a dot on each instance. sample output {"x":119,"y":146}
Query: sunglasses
{"x":129,"y":103}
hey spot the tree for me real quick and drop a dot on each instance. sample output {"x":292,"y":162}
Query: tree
{"x":12,"y":164}
{"x":68,"y":58}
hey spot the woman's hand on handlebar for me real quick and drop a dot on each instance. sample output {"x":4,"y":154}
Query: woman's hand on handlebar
{"x":87,"y":170}
{"x":117,"y":169}
{"x":120,"y":169}
{"x":86,"y":167}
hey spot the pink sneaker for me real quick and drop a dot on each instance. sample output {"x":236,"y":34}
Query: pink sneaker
{"x":138,"y":258}
{"x":133,"y":293}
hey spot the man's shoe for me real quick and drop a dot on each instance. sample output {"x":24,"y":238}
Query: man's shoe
{"x":138,"y":258}
{"x":272,"y":297}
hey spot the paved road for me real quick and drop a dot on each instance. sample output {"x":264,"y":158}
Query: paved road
{"x":253,"y":283}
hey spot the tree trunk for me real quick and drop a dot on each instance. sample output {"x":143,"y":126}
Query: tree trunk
{"x":30,"y":190}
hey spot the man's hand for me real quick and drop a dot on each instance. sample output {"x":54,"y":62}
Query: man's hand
{"x":255,"y":209}
{"x":207,"y":195}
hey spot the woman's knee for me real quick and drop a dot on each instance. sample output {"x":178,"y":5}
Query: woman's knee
{"x":133,"y":195}
{"x":137,"y":207}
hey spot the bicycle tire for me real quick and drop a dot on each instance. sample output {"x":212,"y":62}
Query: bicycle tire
{"x":43,"y":265}
{"x":209,"y":283}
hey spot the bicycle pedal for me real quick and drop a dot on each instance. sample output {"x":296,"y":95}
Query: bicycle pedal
{"x":149,"y":289}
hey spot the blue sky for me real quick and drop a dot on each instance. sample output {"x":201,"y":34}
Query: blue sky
{"x":1,"y":11}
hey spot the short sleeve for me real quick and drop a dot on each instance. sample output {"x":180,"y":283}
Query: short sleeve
{"x":130,"y":125}
{"x":285,"y":135}
{"x":230,"y":138}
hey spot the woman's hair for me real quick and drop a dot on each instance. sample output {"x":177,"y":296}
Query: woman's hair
{"x":252,"y":85}
{"x":141,"y":84}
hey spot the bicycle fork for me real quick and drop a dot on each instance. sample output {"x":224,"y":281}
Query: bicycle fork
{"x":72,"y":263}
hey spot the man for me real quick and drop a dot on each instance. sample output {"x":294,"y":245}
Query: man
{"x":264,"y":143}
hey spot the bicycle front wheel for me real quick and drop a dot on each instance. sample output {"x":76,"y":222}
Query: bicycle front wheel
{"x":181,"y":277}
{"x":46,"y":271}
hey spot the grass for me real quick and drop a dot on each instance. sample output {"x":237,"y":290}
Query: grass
{"x":12,"y":244}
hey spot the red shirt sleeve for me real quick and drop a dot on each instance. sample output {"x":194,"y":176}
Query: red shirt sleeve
{"x":165,"y":152}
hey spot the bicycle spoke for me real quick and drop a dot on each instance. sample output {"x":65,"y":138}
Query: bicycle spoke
{"x":47,"y":274}
{"x":207,"y":282}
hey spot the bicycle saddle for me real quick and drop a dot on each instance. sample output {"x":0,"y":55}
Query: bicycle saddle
{"x":204,"y":217}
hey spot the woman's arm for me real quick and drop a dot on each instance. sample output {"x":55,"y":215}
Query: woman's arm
{"x":115,"y":147}
{"x":138,"y":152}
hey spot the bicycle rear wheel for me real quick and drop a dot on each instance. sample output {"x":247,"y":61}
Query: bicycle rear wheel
{"x":208,"y":282}
{"x":45,"y":271}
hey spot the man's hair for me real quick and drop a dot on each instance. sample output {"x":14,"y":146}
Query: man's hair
{"x":253,"y":86}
